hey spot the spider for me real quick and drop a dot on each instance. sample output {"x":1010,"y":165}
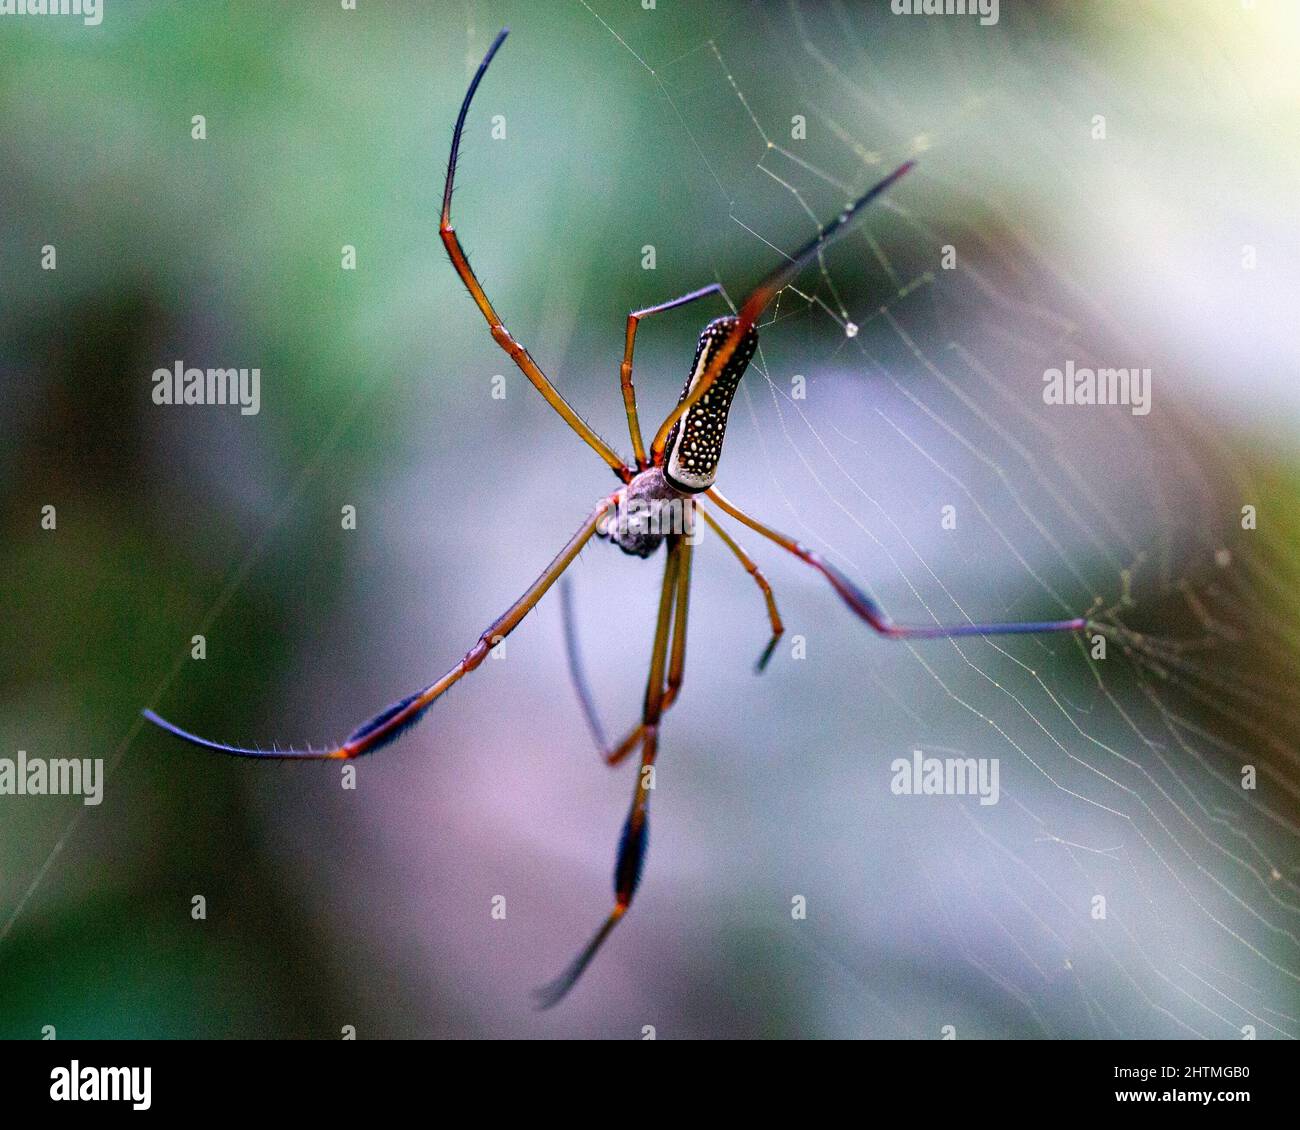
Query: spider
{"x":658,"y":497}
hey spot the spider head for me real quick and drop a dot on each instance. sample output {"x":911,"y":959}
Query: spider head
{"x":695,"y":443}
{"x":648,"y":510}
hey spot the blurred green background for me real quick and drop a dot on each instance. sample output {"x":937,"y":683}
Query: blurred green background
{"x":624,"y":128}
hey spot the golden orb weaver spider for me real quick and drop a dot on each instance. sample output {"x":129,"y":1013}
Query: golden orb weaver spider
{"x":661,"y":486}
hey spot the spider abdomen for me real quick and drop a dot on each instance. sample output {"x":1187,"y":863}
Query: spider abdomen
{"x":695,"y":444}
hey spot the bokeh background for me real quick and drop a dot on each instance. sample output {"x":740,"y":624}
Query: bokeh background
{"x":671,"y":127}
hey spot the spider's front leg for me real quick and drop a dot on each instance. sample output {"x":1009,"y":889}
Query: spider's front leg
{"x":391,"y":722}
{"x":664,"y":671}
{"x":615,"y":755}
{"x":673,"y":683}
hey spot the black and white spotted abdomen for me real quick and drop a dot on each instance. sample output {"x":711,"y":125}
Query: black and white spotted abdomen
{"x":695,"y":444}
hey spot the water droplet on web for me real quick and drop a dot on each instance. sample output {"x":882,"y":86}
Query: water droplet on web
{"x":850,"y":329}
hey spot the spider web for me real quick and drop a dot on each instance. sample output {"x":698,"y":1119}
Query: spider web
{"x":887,"y":388}
{"x":921,"y":389}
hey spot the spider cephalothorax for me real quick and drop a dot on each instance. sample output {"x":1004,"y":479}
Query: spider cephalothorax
{"x":645,"y":512}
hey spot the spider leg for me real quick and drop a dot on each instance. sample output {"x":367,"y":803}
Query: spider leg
{"x":614,"y":755}
{"x":677,"y":656}
{"x":676,"y":667}
{"x":577,"y":670}
{"x":760,"y":296}
{"x":394,"y":720}
{"x":773,"y":616}
{"x":632,"y":845}
{"x":518,"y":354}
{"x":625,"y":370}
{"x":867,"y":609}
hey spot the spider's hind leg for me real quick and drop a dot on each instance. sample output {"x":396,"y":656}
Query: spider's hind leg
{"x":625,"y":369}
{"x":460,"y":262}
